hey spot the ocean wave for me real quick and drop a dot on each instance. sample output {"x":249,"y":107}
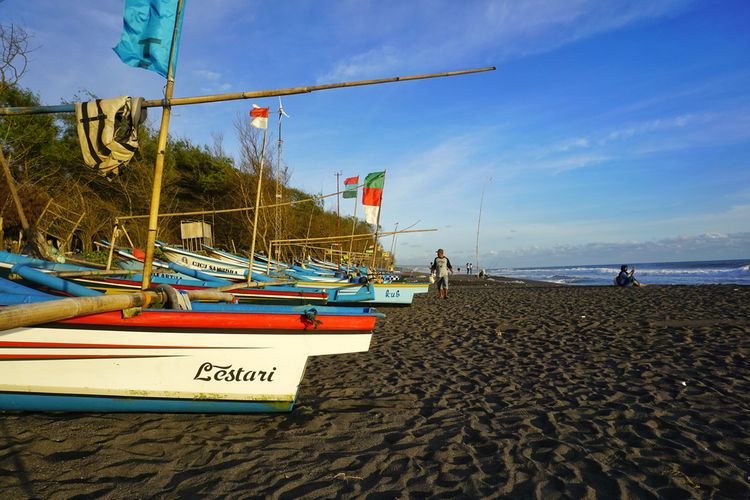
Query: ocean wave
{"x":677,"y":273}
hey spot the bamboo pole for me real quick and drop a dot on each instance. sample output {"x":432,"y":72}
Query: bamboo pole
{"x":229,"y":210}
{"x":92,"y":272}
{"x":57,"y":310}
{"x":393,"y":244}
{"x":180,"y":101}
{"x":330,"y":239}
{"x":338,"y":209}
{"x":356,"y":236}
{"x":278,"y":197}
{"x":125,"y":232}
{"x":112,"y":244}
{"x":307,"y":236}
{"x":333,"y":251}
{"x":257,"y":204}
{"x":377,"y":224}
{"x":351,"y":240}
{"x":244,"y":284}
{"x":153,"y":219}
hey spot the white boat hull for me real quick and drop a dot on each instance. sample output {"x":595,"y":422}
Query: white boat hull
{"x":385,"y":294}
{"x":183,"y":369}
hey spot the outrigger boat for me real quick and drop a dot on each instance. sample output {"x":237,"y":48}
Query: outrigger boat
{"x":211,"y":266}
{"x":345,"y":292}
{"x":213,"y":358}
{"x":231,"y":258}
{"x":35,"y":273}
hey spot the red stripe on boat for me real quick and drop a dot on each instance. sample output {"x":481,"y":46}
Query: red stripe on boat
{"x":67,"y":345}
{"x":19,"y":357}
{"x":171,"y":320}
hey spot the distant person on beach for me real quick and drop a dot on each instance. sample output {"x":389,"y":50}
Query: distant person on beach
{"x":441,"y":266}
{"x":626,"y":278}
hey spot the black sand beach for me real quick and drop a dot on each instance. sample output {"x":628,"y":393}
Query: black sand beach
{"x":506,"y":389}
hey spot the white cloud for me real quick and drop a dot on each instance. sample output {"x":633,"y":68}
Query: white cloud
{"x":207,"y":74}
{"x":705,"y":246}
{"x":452,"y":33}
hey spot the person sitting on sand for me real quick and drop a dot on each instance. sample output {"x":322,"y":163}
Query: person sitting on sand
{"x":441,"y":266}
{"x":626,"y":278}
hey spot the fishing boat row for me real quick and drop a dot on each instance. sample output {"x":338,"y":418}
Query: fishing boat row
{"x":185,"y":356}
{"x":207,"y":331}
{"x":200,"y":350}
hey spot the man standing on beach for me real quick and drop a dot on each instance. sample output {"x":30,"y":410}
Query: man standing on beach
{"x":441,"y":266}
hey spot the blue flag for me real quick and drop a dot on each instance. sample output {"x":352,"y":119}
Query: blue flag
{"x":147,"y":34}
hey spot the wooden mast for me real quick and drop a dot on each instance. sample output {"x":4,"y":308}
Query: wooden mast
{"x":153,"y":218}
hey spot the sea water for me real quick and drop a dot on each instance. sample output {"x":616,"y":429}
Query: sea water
{"x":715,"y":272}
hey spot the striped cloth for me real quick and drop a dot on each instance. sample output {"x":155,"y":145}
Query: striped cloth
{"x":108,"y":132}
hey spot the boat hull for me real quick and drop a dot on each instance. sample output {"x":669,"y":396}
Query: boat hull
{"x":392,"y":294}
{"x":170,"y":361}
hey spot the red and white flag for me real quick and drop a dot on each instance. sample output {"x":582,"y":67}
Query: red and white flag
{"x":260,"y":117}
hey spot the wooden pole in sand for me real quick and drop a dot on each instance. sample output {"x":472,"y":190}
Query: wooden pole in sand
{"x":153,"y":219}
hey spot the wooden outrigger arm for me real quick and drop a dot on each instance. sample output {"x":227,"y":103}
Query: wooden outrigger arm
{"x":179,"y":101}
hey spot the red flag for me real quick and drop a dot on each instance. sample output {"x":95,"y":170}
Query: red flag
{"x":351,"y":187}
{"x":260,"y":117}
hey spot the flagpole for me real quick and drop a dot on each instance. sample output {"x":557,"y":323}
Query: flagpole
{"x":351,"y":241}
{"x":153,"y":218}
{"x":479,"y":220}
{"x":338,"y":211}
{"x":257,"y":204}
{"x":393,"y":241}
{"x":277,"y":213}
{"x":377,"y":224}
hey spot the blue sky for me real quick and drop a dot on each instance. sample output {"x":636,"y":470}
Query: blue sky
{"x":612,"y":131}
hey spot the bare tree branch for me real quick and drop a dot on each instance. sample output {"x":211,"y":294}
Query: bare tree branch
{"x":14,"y":54}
